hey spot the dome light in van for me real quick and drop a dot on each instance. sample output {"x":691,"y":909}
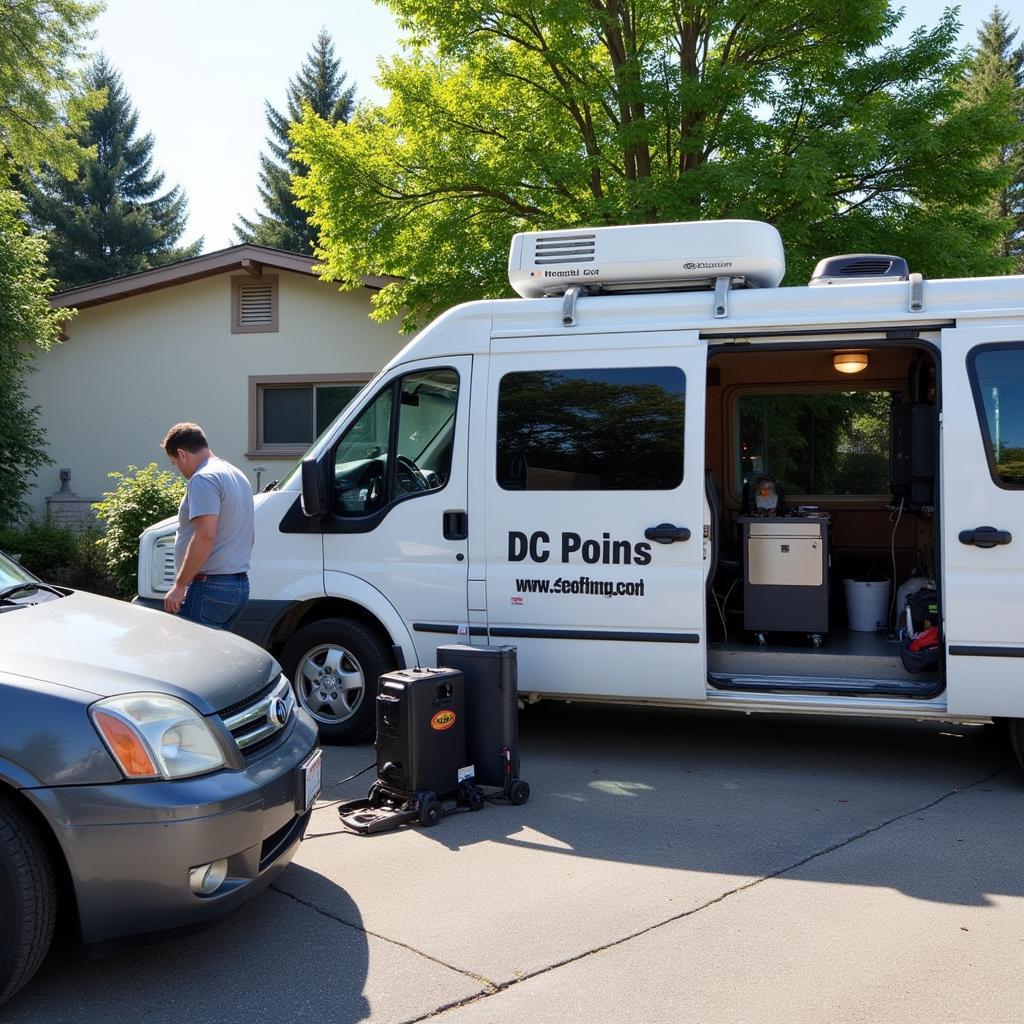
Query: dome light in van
{"x":850,"y":362}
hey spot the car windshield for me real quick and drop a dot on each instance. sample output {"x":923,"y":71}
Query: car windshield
{"x":11,"y":573}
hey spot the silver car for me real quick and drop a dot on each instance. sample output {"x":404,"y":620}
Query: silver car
{"x":153,"y":773}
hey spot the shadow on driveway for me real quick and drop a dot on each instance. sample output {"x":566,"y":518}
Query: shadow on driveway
{"x":273,"y":960}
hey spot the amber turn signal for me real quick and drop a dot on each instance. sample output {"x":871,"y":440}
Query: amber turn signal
{"x":124,"y":743}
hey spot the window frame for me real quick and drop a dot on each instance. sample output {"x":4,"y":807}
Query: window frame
{"x":258,"y":449}
{"x":730,"y":406}
{"x":979,"y":407}
{"x":237,"y":281}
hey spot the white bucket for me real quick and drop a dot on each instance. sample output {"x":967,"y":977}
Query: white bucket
{"x":867,"y":604}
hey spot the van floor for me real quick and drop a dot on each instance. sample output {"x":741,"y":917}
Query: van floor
{"x":844,"y":654}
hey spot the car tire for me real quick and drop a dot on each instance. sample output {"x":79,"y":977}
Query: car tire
{"x":28,"y":896}
{"x":334,"y":665}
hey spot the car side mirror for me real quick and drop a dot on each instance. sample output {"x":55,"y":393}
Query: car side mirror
{"x":313,"y":500}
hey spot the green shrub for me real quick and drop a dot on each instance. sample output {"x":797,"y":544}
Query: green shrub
{"x":61,"y":555}
{"x":141,"y":498}
{"x":43,"y":547}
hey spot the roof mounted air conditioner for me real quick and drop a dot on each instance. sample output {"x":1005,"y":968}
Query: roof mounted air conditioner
{"x":646,"y":257}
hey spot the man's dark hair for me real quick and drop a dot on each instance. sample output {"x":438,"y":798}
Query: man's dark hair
{"x":185,"y":436}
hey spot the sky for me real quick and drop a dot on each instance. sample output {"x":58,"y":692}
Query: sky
{"x":198,"y":72}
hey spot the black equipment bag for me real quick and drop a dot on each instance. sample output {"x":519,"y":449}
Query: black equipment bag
{"x":492,"y":704}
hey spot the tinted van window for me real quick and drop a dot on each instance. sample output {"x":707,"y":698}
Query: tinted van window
{"x":997,"y":376}
{"x":591,"y":430}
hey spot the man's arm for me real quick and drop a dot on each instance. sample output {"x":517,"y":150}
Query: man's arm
{"x":198,"y":550}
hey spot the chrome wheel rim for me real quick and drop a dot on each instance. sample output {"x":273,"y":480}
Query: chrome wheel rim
{"x":330,"y":683}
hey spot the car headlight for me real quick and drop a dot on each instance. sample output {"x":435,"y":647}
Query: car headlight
{"x":154,"y":736}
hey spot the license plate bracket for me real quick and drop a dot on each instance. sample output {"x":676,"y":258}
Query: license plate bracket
{"x":309,"y":781}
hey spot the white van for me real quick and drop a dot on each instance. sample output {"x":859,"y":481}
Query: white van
{"x":667,"y":480}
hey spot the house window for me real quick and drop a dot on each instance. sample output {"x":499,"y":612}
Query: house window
{"x":288,"y":413}
{"x":254,"y":304}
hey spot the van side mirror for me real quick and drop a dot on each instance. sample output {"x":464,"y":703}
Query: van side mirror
{"x":313,"y":500}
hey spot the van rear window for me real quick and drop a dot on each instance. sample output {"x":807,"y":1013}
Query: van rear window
{"x":997,"y":376}
{"x":616,"y":429}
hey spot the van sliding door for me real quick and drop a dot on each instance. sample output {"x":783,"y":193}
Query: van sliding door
{"x":983,"y":519}
{"x":593,"y":488}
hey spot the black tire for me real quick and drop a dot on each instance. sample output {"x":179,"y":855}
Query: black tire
{"x":342,"y":651}
{"x":1015,"y":730}
{"x":476,"y":799}
{"x":430,"y":813}
{"x":519,"y":791}
{"x":28,"y":896}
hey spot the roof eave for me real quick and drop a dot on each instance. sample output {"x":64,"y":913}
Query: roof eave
{"x":251,"y":258}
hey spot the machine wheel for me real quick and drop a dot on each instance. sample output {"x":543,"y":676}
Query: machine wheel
{"x":475,"y":799}
{"x":430,"y":813}
{"x":519,"y":791}
{"x":334,"y":665}
{"x":28,"y":894}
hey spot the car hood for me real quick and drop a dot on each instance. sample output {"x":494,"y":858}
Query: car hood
{"x":107,"y":647}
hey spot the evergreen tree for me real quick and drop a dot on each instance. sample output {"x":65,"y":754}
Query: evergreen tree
{"x":997,"y":66}
{"x":109,"y":220}
{"x":320,"y":85}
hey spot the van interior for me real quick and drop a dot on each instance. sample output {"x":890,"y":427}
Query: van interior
{"x":822,"y":518}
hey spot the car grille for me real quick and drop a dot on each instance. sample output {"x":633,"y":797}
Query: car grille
{"x":254,"y":723}
{"x":163,"y":571}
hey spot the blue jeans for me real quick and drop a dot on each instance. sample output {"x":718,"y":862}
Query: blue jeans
{"x":216,"y":601}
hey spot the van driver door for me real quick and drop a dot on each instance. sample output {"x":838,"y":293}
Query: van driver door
{"x":594,"y":495}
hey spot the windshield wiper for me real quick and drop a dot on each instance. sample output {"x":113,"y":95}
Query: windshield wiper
{"x":8,"y":592}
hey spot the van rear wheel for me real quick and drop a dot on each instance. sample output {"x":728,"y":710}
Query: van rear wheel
{"x":334,"y":665}
{"x":1014,"y":729}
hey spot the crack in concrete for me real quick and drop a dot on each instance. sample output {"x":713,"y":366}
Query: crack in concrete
{"x":494,"y":989}
{"x":488,"y":985}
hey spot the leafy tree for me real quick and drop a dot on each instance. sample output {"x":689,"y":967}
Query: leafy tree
{"x":320,"y":85}
{"x":997,"y":68}
{"x":110,"y":218}
{"x":41,"y":99}
{"x":140,"y":498}
{"x":26,"y":322}
{"x":535,"y":114}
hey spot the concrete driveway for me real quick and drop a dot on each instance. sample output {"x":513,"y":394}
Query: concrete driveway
{"x":669,"y":867}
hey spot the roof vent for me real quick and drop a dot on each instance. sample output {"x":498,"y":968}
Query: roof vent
{"x":646,"y":257}
{"x":860,"y":268}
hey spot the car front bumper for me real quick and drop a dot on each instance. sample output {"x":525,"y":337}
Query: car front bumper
{"x":130,"y":846}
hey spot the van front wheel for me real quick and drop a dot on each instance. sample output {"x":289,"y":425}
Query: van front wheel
{"x":334,"y":665}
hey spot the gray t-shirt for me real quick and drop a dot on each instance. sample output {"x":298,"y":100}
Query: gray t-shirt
{"x":218,"y":489}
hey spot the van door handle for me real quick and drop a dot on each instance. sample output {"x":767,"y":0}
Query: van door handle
{"x":666,"y":533}
{"x":985,"y":537}
{"x":455,"y":524}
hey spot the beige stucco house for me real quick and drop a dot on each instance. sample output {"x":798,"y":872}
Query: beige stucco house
{"x":246,"y":341}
